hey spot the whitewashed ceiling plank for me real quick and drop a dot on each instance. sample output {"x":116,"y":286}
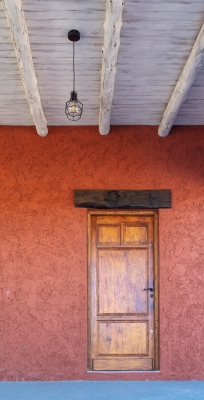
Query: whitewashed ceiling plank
{"x":66,"y":5}
{"x":166,"y":7}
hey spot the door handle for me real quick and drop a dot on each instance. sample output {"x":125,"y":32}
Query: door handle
{"x":151,"y":289}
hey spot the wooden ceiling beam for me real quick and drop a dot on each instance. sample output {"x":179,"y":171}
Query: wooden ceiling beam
{"x":112,"y":27}
{"x":187,"y":77}
{"x":19,"y":33}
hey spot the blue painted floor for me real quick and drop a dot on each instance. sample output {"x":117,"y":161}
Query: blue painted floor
{"x":95,"y":390}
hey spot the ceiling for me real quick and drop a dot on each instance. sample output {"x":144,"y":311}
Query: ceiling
{"x":156,"y":39}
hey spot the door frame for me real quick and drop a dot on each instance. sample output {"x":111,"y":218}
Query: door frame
{"x":154,"y":214}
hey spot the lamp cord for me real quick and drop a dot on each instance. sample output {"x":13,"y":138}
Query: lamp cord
{"x":73,"y":70}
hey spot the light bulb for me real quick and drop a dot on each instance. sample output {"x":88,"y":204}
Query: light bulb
{"x":73,"y":109}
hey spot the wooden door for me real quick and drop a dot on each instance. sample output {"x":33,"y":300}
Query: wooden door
{"x":121,"y":311}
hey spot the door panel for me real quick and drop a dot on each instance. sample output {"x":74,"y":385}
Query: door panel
{"x":118,"y":277}
{"x":109,"y":234}
{"x":123,"y":338}
{"x":135,"y":234}
{"x":122,"y":364}
{"x":122,"y":257}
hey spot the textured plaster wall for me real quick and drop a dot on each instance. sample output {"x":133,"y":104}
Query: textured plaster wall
{"x":43,"y":245}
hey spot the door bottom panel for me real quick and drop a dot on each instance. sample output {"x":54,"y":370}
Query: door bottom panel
{"x":122,"y":364}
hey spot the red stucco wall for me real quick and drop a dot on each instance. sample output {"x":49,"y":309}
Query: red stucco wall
{"x":43,"y":245}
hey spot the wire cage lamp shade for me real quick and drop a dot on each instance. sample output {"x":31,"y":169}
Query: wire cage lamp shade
{"x":73,"y":107}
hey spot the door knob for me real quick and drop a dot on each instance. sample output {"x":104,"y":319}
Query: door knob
{"x":149,"y":288}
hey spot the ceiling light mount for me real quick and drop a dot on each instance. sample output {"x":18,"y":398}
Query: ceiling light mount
{"x":73,"y":107}
{"x":74,"y":35}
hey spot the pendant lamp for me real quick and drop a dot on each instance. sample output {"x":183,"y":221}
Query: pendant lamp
{"x":73,"y":107}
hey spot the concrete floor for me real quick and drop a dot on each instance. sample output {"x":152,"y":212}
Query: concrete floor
{"x":95,"y":390}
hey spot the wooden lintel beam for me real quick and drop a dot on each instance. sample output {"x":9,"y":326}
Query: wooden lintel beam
{"x":19,"y":33}
{"x":187,"y":77}
{"x":123,"y":199}
{"x":112,"y":27}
